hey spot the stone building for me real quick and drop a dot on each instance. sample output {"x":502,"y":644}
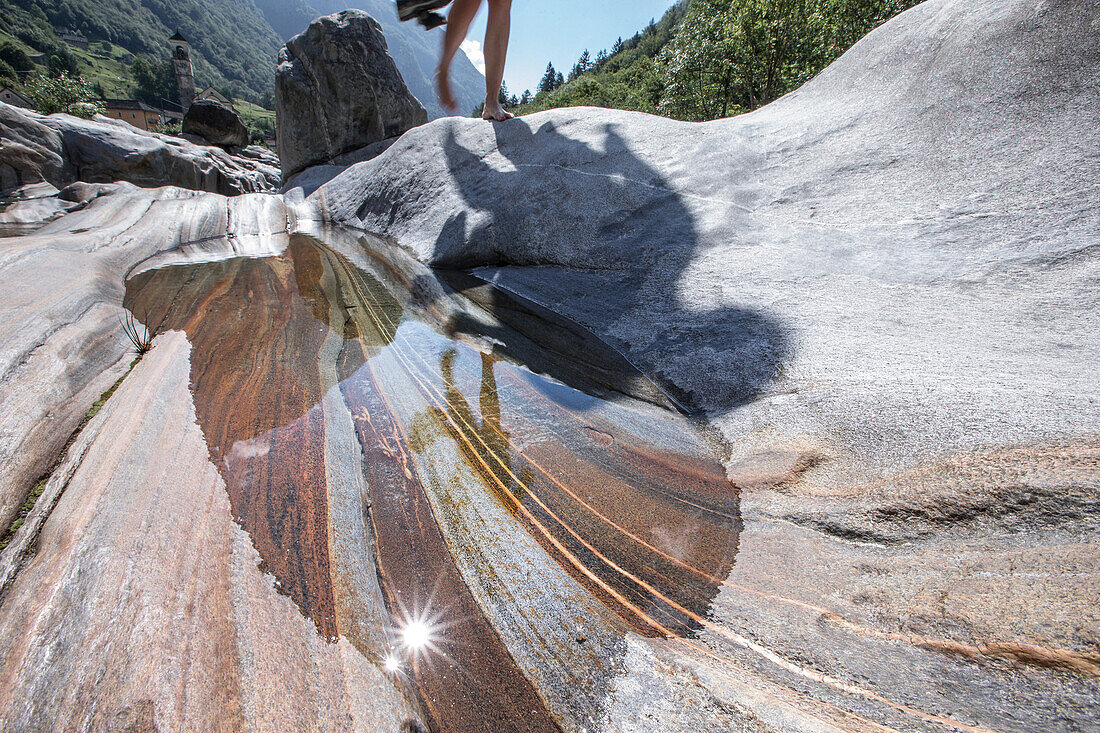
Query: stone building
{"x":213,"y":94}
{"x":14,"y":98}
{"x":136,"y":113}
{"x":185,"y":74}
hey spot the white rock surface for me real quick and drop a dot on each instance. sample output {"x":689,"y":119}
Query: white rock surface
{"x":893,"y":262}
{"x":882,"y":289}
{"x":61,"y":149}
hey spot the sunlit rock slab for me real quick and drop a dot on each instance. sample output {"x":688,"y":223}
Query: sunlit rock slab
{"x":61,"y":341}
{"x":61,"y":149}
{"x":896,"y":260}
{"x":882,"y":290}
{"x":145,"y":606}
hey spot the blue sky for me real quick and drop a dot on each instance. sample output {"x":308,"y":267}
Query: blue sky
{"x":559,"y":30}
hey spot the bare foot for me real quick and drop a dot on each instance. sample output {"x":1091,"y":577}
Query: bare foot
{"x":443,"y":89}
{"x":496,"y":113}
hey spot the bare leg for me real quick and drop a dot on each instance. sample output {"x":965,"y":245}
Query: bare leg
{"x":496,"y":50}
{"x":458,"y":22}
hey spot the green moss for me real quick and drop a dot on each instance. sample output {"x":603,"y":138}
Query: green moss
{"x":24,"y":511}
{"x":36,"y":492}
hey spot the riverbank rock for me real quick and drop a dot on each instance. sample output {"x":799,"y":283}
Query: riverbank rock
{"x":215,"y":123}
{"x":881,"y":289}
{"x":878,"y":295}
{"x":337,"y":89}
{"x":61,"y":149}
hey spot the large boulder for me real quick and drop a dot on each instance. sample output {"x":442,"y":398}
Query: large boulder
{"x":337,"y":89}
{"x":215,"y":123}
{"x":60,"y":149}
{"x":30,"y":151}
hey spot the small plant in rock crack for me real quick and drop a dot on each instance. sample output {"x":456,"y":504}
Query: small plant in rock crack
{"x":140,"y":336}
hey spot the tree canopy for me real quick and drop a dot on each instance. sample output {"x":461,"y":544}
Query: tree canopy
{"x":706,"y":59}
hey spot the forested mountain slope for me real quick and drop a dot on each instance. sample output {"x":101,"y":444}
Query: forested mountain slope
{"x":707,"y":59}
{"x":233,"y":46}
{"x":234,"y":42}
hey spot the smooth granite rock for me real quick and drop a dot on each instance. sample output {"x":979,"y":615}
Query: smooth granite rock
{"x":880,"y":294}
{"x":61,"y":340}
{"x":882,"y":289}
{"x":337,"y":89}
{"x":61,"y":149}
{"x":215,"y":123}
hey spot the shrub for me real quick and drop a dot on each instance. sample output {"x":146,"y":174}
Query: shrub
{"x":62,"y":93}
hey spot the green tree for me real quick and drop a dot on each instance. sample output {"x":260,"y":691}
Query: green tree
{"x":546,"y":84}
{"x":62,"y":93}
{"x":7,"y":73}
{"x":155,"y":81}
{"x":16,"y":57}
{"x":62,"y":61}
{"x":582,"y":65}
{"x":731,"y":56}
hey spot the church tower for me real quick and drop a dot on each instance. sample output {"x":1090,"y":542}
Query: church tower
{"x":185,"y":75}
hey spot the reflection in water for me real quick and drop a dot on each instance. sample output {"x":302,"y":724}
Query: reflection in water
{"x":629,"y":503}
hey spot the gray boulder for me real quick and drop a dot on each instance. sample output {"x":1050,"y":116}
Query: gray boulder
{"x":337,"y":89}
{"x":215,"y":123}
{"x":416,"y":53}
{"x":30,"y":152}
{"x":61,"y":149}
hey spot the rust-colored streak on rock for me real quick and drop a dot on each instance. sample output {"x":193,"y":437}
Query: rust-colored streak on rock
{"x":619,"y":516}
{"x":254,"y":375}
{"x":630,"y":503}
{"x":473,"y":684}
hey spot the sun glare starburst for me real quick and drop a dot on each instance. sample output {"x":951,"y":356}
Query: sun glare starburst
{"x":416,"y":635}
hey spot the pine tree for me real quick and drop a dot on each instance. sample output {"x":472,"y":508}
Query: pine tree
{"x":601,"y":58}
{"x":526,"y":98}
{"x":618,"y":46}
{"x":559,"y":80}
{"x":585,"y":61}
{"x":549,"y":79}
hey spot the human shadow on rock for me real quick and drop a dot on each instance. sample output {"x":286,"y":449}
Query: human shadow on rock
{"x":597,"y":234}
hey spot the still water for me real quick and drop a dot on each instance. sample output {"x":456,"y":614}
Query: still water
{"x":480,"y":497}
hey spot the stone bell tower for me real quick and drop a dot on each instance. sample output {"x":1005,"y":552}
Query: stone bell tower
{"x":185,"y":75}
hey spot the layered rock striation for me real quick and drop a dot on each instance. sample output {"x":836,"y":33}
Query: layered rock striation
{"x":60,"y":149}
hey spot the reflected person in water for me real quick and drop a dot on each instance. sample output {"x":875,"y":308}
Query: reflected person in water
{"x":458,"y":21}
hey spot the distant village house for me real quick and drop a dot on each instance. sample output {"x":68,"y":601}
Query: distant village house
{"x":214,"y":95}
{"x":138,"y":114}
{"x":73,"y":39}
{"x":14,"y":98}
